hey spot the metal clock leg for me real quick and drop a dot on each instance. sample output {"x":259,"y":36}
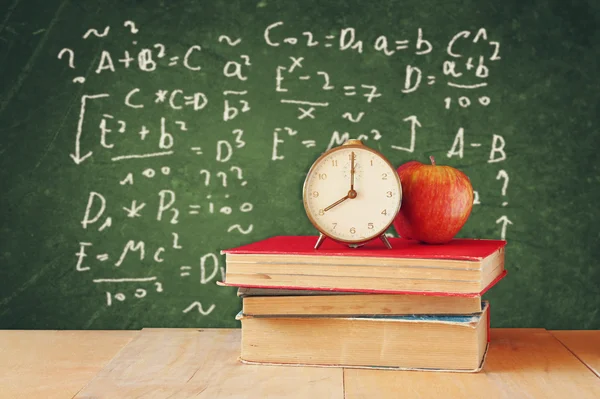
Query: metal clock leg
{"x":320,"y":240}
{"x":385,"y":241}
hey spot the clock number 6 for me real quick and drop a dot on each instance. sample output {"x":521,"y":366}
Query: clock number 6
{"x":352,"y":230}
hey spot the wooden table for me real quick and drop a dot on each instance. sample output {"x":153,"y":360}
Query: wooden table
{"x":191,"y":363}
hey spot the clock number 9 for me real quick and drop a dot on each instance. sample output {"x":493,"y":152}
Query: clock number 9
{"x":315,"y":194}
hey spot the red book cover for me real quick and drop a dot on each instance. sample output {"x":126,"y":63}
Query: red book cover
{"x":457,"y":249}
{"x":467,"y":249}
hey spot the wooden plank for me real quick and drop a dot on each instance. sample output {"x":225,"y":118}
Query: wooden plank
{"x":583,"y":344}
{"x":521,"y":363}
{"x":54,"y":364}
{"x":185,"y":363}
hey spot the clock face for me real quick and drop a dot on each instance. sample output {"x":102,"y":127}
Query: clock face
{"x":352,"y":209}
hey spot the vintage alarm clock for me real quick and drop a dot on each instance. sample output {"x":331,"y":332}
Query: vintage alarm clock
{"x":352,"y":194}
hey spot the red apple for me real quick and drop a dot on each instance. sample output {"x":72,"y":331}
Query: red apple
{"x":436,"y":202}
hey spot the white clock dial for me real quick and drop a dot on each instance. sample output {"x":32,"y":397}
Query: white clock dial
{"x":352,"y":209}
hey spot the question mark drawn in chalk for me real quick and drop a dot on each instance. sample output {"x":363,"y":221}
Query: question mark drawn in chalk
{"x":131,"y":24}
{"x":239,"y":174}
{"x":71,"y":56}
{"x":78,"y":79}
{"x":503,"y":175}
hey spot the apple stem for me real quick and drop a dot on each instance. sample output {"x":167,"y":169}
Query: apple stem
{"x":432,"y":159}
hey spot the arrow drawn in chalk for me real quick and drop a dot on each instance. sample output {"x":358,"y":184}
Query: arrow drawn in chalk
{"x":504,"y":220}
{"x":414,"y":122}
{"x":77,"y":158}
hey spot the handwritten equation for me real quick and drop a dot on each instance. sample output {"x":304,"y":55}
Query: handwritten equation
{"x":168,"y":126}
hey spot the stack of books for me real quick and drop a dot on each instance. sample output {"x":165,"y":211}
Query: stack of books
{"x":415,"y":306}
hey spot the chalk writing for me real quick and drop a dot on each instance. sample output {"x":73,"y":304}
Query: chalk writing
{"x":198,"y":306}
{"x":174,"y":170}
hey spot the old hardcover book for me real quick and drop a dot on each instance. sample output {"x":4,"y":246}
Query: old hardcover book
{"x":433,"y":342}
{"x":263,"y":301}
{"x":460,"y":267}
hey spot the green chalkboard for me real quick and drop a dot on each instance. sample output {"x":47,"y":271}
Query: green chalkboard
{"x":139,"y":138}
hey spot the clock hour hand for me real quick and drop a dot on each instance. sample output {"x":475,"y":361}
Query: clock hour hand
{"x":351,"y":195}
{"x":336,"y":203}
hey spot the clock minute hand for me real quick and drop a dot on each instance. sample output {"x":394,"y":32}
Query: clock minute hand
{"x":352,"y":172}
{"x":336,"y":203}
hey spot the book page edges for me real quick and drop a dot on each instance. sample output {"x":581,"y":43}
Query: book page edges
{"x":433,"y":293}
{"x":470,"y":321}
{"x":486,"y":311}
{"x":479,"y":368}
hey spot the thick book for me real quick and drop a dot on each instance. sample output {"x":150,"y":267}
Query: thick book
{"x":434,"y":343}
{"x":460,"y":267}
{"x":263,"y":301}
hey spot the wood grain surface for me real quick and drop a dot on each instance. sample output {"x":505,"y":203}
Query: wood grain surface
{"x":521,"y":363}
{"x":190,"y":363}
{"x":54,"y":364}
{"x":585,"y":344}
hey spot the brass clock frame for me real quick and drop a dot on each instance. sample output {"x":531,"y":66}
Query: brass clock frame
{"x":351,"y":243}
